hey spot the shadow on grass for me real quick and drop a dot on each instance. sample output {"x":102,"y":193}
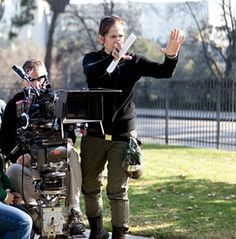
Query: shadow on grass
{"x":184,"y":208}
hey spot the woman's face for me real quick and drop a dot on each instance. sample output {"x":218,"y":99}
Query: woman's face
{"x":114,"y":35}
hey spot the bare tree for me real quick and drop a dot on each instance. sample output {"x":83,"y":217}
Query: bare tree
{"x":80,"y":34}
{"x":25,"y":17}
{"x":57,"y":7}
{"x":220,"y":50}
{"x":1,"y":8}
{"x":108,"y":7}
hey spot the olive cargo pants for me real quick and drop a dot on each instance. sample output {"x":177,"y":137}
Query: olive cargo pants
{"x":95,"y":153}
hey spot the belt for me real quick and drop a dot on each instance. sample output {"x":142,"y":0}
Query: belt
{"x":107,"y":137}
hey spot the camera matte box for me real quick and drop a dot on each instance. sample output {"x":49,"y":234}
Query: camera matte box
{"x":81,"y":105}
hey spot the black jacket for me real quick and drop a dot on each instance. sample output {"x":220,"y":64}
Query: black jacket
{"x":9,"y":126}
{"x":119,"y":108}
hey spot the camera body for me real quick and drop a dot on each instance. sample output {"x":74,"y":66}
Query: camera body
{"x":43,"y":134}
{"x":41,"y":130}
{"x":41,"y":118}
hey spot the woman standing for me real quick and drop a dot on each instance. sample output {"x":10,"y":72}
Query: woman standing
{"x":99,"y":147}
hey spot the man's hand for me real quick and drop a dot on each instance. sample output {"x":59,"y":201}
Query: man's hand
{"x":17,"y":198}
{"x":175,"y":41}
{"x":10,"y":198}
{"x":25,"y":160}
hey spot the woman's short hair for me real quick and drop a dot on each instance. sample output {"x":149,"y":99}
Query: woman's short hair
{"x":107,"y":22}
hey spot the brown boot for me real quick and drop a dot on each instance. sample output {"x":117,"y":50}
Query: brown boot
{"x":119,"y":232}
{"x":96,"y":227}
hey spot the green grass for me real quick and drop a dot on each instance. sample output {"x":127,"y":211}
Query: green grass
{"x":185,"y":193}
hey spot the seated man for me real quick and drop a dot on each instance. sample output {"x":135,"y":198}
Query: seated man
{"x":20,"y":156}
{"x":14,"y":222}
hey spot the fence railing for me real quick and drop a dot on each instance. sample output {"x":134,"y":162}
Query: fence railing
{"x":186,"y":114}
{"x":191,"y":113}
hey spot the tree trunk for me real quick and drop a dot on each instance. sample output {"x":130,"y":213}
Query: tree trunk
{"x":57,"y":7}
{"x":1,"y":8}
{"x":48,"y":56}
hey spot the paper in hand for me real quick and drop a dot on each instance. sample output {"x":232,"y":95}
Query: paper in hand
{"x":130,"y":40}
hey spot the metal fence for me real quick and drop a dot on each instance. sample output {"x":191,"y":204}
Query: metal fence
{"x":189,"y":113}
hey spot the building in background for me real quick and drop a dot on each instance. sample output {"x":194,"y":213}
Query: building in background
{"x":31,"y":42}
{"x":36,"y":32}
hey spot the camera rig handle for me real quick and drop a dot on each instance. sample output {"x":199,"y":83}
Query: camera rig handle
{"x":23,"y":75}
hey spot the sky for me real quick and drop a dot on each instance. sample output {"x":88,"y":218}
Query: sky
{"x":98,"y":1}
{"x":213,"y":5}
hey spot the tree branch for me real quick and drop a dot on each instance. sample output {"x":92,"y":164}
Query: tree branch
{"x":204,"y":45}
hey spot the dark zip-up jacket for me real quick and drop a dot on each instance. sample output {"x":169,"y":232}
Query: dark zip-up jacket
{"x":8,"y":135}
{"x":119,"y":108}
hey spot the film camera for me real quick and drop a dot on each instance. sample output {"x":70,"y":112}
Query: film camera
{"x":44,"y":117}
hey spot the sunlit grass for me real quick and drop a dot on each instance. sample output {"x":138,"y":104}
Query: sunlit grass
{"x":185,"y":193}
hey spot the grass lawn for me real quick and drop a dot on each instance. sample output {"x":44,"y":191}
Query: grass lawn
{"x":183,"y":193}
